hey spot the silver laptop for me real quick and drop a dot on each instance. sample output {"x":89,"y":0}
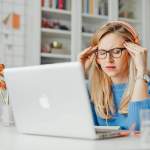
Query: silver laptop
{"x":52,"y":100}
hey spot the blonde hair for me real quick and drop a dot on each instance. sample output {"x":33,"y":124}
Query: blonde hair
{"x":100,"y":82}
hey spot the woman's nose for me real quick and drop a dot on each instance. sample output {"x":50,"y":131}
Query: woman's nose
{"x":109,"y":58}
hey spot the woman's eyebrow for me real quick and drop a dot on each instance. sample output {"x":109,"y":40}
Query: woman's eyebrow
{"x":111,"y":48}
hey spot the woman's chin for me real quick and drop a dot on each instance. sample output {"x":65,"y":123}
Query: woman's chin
{"x":111,"y":74}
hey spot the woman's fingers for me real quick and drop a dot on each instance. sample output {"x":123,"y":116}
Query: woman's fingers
{"x":93,"y":49}
{"x":88,"y":51}
{"x":139,"y":55}
{"x":86,"y":54}
{"x":86,"y":57}
{"x":132,"y":54}
{"x":134,"y":48}
{"x":89,"y":62}
{"x":92,"y":57}
{"x":130,"y":48}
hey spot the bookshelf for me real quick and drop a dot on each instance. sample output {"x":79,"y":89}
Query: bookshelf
{"x":94,"y":14}
{"x":72,"y":24}
{"x":55,"y":28}
{"x":55,"y":56}
{"x":56,"y":11}
{"x":126,"y":10}
{"x":62,"y":33}
{"x":131,"y":11}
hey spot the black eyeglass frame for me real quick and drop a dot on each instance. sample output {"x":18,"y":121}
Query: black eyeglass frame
{"x":110,"y":52}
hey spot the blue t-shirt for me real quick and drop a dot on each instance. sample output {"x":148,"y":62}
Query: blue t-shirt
{"x":123,"y":120}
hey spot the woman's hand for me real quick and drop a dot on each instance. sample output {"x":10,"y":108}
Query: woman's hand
{"x":86,"y":57}
{"x":139,"y":55}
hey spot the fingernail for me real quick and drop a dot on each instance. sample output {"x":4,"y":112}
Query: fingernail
{"x":129,"y":43}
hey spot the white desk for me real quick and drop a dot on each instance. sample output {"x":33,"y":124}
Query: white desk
{"x":10,"y":139}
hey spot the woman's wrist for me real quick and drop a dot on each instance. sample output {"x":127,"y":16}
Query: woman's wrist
{"x":140,"y":90}
{"x":141,"y":72}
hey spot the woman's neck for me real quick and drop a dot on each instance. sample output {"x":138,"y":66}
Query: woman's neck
{"x":120,"y":79}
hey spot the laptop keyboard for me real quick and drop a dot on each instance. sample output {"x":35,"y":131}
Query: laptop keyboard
{"x":104,"y":132}
{"x":104,"y":129}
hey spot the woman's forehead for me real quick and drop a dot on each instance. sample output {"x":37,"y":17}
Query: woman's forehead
{"x":110,"y":41}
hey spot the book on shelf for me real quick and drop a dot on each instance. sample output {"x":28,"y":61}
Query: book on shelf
{"x":95,"y":7}
{"x":42,"y":3}
{"x":56,"y":4}
{"x":91,"y":7}
{"x":61,"y":4}
{"x":85,"y":6}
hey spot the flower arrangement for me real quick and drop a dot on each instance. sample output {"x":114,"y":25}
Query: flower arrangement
{"x":6,"y":114}
{"x":3,"y":90}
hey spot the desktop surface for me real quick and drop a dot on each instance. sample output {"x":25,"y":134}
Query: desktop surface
{"x":10,"y":139}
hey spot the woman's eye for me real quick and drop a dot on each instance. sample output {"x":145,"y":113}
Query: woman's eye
{"x":116,"y":51}
{"x":102,"y":52}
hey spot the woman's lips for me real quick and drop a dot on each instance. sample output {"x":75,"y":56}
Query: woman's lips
{"x":110,"y":67}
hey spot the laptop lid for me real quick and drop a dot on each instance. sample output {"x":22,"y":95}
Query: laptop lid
{"x":50,"y":100}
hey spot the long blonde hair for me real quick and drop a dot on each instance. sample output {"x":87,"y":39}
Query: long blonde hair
{"x":100,"y":82}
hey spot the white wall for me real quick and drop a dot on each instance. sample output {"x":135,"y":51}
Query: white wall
{"x":33,"y":33}
{"x":146,"y":27}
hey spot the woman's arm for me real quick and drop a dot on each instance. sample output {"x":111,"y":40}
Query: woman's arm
{"x":134,"y":112}
{"x":140,"y":100}
{"x":139,"y":56}
{"x":140,"y":91}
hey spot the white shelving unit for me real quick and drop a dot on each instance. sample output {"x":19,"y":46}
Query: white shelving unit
{"x":50,"y":34}
{"x":56,"y":11}
{"x":94,"y":21}
{"x":50,"y":55}
{"x":74,"y":40}
{"x":130,"y":20}
{"x":88,"y":16}
{"x":87,"y":35}
{"x":91,"y":20}
{"x":58,"y":32}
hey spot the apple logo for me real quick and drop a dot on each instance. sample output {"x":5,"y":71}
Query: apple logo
{"x":44,"y":101}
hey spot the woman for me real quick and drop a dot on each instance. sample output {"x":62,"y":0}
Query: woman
{"x":117,"y":67}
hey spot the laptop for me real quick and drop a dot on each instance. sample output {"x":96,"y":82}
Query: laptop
{"x":52,"y":100}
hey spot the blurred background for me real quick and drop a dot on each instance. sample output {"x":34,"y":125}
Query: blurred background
{"x":34,"y":32}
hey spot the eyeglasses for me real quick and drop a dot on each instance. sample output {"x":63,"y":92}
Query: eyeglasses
{"x":114,"y":53}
